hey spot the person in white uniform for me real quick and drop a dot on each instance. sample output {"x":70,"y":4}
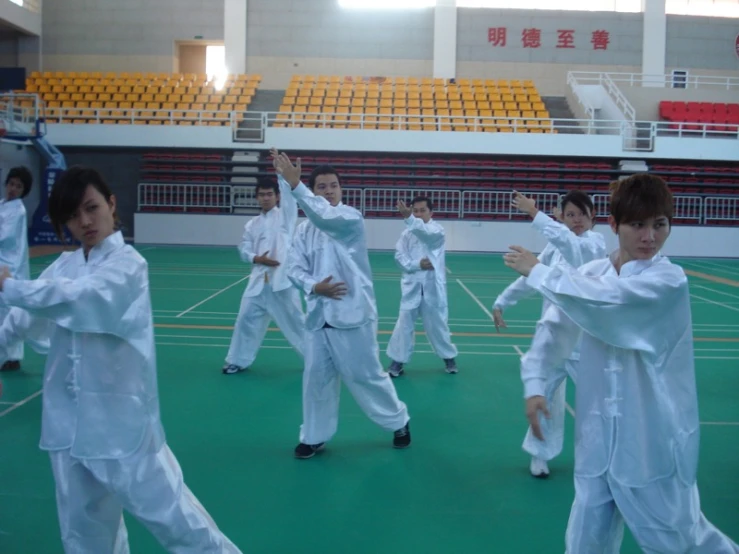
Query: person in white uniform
{"x":636,"y":415}
{"x":100,"y":413}
{"x":329,"y":262}
{"x":571,"y":242}
{"x":269,"y":294}
{"x":421,"y":255}
{"x":14,"y":244}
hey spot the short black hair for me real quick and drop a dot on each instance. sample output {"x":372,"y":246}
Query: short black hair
{"x":68,"y":191}
{"x":426,"y":199}
{"x":580,"y":200}
{"x":266,"y":184}
{"x":639,"y":197}
{"x":322,"y":170}
{"x":24,"y":175}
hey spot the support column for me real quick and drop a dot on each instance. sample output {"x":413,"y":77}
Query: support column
{"x":445,"y":39}
{"x":654,"y":42}
{"x":234,"y":35}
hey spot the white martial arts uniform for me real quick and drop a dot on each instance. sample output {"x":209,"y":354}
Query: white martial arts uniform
{"x":636,"y":422}
{"x":269,"y":294}
{"x":100,"y":417}
{"x":567,"y":248}
{"x":341,"y":335}
{"x":423,"y":291}
{"x":14,"y":255}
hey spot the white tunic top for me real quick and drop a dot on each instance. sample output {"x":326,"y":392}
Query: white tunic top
{"x":272,"y":231}
{"x":422,"y":240}
{"x":332,"y":243}
{"x":14,"y":238}
{"x":636,"y":405}
{"x":100,"y":396}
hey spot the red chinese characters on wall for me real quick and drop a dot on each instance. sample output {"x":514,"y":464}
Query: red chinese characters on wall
{"x":532,"y":38}
{"x":497,"y":36}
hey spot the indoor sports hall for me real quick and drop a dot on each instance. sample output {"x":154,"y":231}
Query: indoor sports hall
{"x":177,"y":104}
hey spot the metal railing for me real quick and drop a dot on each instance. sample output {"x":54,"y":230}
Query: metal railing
{"x":449,"y":204}
{"x":184,"y":198}
{"x":666,"y":80}
{"x":605,"y":80}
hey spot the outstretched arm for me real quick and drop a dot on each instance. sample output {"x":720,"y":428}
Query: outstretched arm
{"x":576,"y":250}
{"x":342,"y":223}
{"x":107,"y":301}
{"x":626,"y":312}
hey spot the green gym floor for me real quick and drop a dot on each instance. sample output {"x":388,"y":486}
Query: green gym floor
{"x":462,"y":487}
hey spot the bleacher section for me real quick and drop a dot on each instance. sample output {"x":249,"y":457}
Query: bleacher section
{"x":692,"y":116}
{"x":461,"y":186}
{"x":414,"y":104}
{"x":142,"y":98}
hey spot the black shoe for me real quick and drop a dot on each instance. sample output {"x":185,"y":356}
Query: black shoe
{"x":230,"y":369}
{"x":11,"y":365}
{"x":305,"y":451}
{"x":451,"y":365}
{"x":395,"y":370}
{"x":402,"y":437}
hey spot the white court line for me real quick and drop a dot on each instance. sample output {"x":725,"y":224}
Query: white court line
{"x":733,"y":308}
{"x":477,"y":300}
{"x":567,"y":405}
{"x":19,"y":404}
{"x":191,"y":308}
{"x":447,"y":269}
{"x":6,"y":403}
{"x":716,"y":291}
{"x":147,"y":248}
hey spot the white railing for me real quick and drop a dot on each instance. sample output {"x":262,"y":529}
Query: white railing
{"x":586,"y":106}
{"x":20,"y":111}
{"x":690,"y":81}
{"x":720,"y":209}
{"x":183,"y":197}
{"x":455,"y":204}
{"x":141,"y":115}
{"x":605,"y":80}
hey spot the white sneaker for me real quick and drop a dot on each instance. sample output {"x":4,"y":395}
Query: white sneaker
{"x":539,"y":468}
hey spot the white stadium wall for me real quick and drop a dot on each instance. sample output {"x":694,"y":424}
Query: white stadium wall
{"x":382,"y":234}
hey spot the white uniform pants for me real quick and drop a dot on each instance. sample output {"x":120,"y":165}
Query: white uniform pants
{"x":664,"y":517}
{"x":436,"y":325}
{"x":254,"y":316}
{"x":14,"y":350}
{"x":352,"y":355}
{"x":553,"y":428}
{"x":91,"y":495}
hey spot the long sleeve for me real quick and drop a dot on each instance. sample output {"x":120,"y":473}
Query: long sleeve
{"x":107,"y":301}
{"x":403,"y":258}
{"x":554,"y":340}
{"x":21,"y":326}
{"x":12,"y":236}
{"x":246,"y":248}
{"x":430,"y":234}
{"x":288,"y":206}
{"x":299,"y":266}
{"x":627,"y":311}
{"x":520,"y":289}
{"x":342,"y":223}
{"x":575,"y":250}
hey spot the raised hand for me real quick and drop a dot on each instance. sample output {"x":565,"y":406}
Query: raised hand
{"x":284,"y":167}
{"x":520,"y":260}
{"x":404,"y":210}
{"x":524,"y":204}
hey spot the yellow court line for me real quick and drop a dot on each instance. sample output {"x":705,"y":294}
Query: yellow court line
{"x":714,"y":278}
{"x":463,"y":334}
